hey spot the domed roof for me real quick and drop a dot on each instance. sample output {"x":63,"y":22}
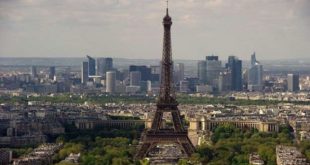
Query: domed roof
{"x":167,"y":18}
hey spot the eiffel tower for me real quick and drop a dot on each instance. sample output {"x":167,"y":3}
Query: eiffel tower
{"x":166,"y":104}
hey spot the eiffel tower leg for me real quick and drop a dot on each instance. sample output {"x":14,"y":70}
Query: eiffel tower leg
{"x":157,"y":121}
{"x":142,"y":152}
{"x":188,"y":148}
{"x":177,"y":121}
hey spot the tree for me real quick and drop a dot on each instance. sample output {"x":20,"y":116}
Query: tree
{"x":65,"y":163}
{"x":145,"y":162}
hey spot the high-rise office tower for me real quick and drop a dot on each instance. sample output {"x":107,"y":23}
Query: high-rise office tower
{"x":155,"y":71}
{"x":135,"y":78}
{"x":84,"y":72}
{"x":209,"y":71}
{"x":202,"y":72}
{"x":145,"y":71}
{"x":212,"y":58}
{"x":235,"y":67}
{"x":293,"y":82}
{"x":52,"y":72}
{"x":179,"y":72}
{"x":110,"y":81}
{"x":91,"y":66}
{"x":253,"y":59}
{"x":184,"y":86}
{"x":34,"y":71}
{"x":153,"y":87}
{"x":213,"y":69}
{"x":224,"y":83}
{"x":255,"y":75}
{"x":104,"y":65}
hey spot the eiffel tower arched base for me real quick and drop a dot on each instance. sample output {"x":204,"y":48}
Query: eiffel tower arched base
{"x":152,"y":139}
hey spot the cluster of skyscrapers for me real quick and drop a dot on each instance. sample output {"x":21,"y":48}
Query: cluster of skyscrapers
{"x":136,"y":79}
{"x":213,"y":76}
{"x":51,"y":72}
{"x":232,"y":77}
{"x":92,"y":69}
{"x":211,"y":72}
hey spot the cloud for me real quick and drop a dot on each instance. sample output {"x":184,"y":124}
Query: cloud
{"x":30,"y":27}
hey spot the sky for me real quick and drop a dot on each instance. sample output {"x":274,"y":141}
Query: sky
{"x":274,"y":29}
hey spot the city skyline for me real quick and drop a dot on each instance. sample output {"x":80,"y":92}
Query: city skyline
{"x":274,"y":29}
{"x":143,"y":111}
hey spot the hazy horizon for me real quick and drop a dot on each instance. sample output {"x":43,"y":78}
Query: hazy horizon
{"x":155,"y":58}
{"x":132,"y":29}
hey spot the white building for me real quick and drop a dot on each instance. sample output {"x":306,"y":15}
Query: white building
{"x":110,"y":81}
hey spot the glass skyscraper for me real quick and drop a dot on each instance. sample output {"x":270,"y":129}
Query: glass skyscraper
{"x":235,"y":67}
{"x":91,"y":66}
{"x":255,"y":75}
{"x":104,"y":65}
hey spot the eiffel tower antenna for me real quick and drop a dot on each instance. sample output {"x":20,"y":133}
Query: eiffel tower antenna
{"x":167,"y":12}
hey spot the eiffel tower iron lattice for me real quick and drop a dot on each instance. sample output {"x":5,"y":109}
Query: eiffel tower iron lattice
{"x":166,"y":103}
